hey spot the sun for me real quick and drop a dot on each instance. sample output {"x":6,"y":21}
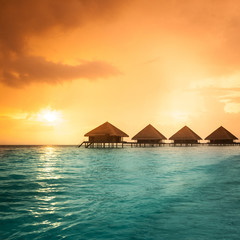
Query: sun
{"x":49,"y":115}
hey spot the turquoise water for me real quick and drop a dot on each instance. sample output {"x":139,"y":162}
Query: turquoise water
{"x":132,"y":193}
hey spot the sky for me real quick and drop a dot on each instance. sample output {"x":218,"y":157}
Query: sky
{"x":66,"y":67}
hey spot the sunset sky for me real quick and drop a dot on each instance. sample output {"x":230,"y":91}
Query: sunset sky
{"x":68,"y":66}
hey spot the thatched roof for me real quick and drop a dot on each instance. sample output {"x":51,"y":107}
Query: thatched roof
{"x":221,"y":134}
{"x":106,"y":129}
{"x":185,"y":134}
{"x":149,"y":133}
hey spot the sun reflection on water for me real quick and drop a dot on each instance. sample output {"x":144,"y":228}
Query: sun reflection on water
{"x":48,"y":153}
{"x":48,"y":181}
{"x":48,"y":163}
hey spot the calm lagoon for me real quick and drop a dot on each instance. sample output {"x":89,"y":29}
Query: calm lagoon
{"x":63,"y":192}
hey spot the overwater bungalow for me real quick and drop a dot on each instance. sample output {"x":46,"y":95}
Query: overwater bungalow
{"x":149,"y":135}
{"x":105,"y":133}
{"x":221,"y":136}
{"x":185,"y":136}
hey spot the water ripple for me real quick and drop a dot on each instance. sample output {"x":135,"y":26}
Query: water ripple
{"x":161,"y":193}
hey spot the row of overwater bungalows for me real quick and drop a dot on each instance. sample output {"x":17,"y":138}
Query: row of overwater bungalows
{"x":107,"y":133}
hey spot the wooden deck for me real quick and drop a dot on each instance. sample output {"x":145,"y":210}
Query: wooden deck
{"x":88,"y":144}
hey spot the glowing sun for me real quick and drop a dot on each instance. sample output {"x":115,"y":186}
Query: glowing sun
{"x":49,"y":115}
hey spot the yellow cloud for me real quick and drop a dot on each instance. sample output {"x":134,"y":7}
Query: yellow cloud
{"x":232,"y":107}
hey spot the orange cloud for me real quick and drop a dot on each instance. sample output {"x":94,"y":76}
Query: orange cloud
{"x":26,"y":70}
{"x":19,"y":20}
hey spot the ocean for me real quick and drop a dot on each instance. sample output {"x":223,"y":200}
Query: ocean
{"x":65,"y":192}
